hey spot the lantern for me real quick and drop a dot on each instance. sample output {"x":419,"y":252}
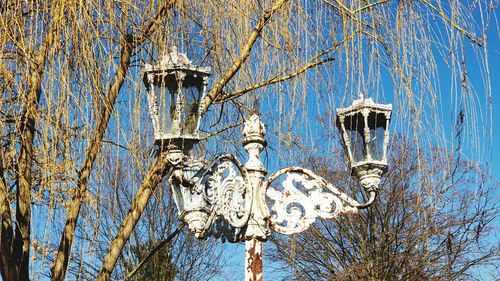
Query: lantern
{"x":190,"y":199}
{"x":176,"y":89}
{"x":364,"y":127}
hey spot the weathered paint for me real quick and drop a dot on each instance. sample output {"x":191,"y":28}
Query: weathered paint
{"x":253,"y":260}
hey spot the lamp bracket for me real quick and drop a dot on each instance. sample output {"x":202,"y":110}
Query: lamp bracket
{"x":222,"y":185}
{"x":234,"y":202}
{"x":303,"y":196}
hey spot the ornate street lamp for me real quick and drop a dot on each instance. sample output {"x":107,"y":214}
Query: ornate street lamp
{"x":228,"y":200}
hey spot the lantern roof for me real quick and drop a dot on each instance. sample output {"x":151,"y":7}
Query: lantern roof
{"x":173,"y":60}
{"x":362,"y":103}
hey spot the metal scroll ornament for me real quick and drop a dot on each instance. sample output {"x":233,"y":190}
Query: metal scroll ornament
{"x":301,"y":197}
{"x":221,"y":197}
{"x":227,"y":188}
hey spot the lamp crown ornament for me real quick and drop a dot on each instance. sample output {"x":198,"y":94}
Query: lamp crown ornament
{"x":254,"y":127}
{"x":172,"y":58}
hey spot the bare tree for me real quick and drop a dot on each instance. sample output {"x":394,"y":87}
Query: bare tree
{"x":183,"y":258}
{"x":433,"y":221}
{"x":70,"y":77}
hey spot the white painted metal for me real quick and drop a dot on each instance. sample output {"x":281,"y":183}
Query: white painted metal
{"x":234,"y":202}
{"x":177,"y":64}
{"x":230,"y":201}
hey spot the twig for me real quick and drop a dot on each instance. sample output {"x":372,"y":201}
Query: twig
{"x":221,"y":130}
{"x":156,"y":249}
{"x":314,"y":62}
{"x":469,"y":35}
{"x":244,"y":54}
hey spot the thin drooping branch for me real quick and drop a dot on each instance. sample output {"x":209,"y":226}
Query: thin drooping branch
{"x":396,"y":65}
{"x":24,"y":176}
{"x":153,"y":25}
{"x":472,"y":37}
{"x":62,"y":257}
{"x":128,"y":45}
{"x":36,"y":64}
{"x":355,"y":11}
{"x":206,"y":137}
{"x":155,"y":174}
{"x":239,"y":93}
{"x":313,"y":63}
{"x":352,"y":14}
{"x":246,"y":49}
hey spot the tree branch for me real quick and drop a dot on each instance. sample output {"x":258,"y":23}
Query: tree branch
{"x":156,"y":249}
{"x":21,"y":246}
{"x":128,"y":45}
{"x":63,"y":253}
{"x":352,"y":12}
{"x":244,"y":54}
{"x":221,"y":130}
{"x":472,"y":37}
{"x":314,"y":62}
{"x":239,"y":93}
{"x":153,"y":177}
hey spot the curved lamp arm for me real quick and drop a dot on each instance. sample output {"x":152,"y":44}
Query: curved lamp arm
{"x":303,"y":196}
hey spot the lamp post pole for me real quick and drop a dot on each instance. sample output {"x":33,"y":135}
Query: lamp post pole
{"x":257,"y":228}
{"x":253,"y":260}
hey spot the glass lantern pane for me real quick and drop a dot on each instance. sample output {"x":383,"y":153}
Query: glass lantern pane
{"x":376,"y":123}
{"x":354,"y":126}
{"x":192,"y":199}
{"x":377,"y":143}
{"x":192,"y":88}
{"x":166,"y":103}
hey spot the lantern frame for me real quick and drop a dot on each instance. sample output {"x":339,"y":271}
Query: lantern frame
{"x":176,"y":66}
{"x":370,"y":114}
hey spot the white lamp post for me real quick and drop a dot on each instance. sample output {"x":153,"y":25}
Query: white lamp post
{"x":235,"y":202}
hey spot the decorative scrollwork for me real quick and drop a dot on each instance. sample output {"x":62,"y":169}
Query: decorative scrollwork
{"x":225,"y":199}
{"x":226,"y":190}
{"x":302,"y":197}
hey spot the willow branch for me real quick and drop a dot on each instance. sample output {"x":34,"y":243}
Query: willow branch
{"x":36,"y":65}
{"x":62,"y":257}
{"x":6,"y":229}
{"x":314,"y":62}
{"x":153,"y":177}
{"x":469,"y":35}
{"x":236,"y":94}
{"x":244,"y":54}
{"x":221,"y":130}
{"x":352,"y":12}
{"x":153,"y":25}
{"x":399,"y":71}
{"x":156,"y":249}
{"x":128,"y":45}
